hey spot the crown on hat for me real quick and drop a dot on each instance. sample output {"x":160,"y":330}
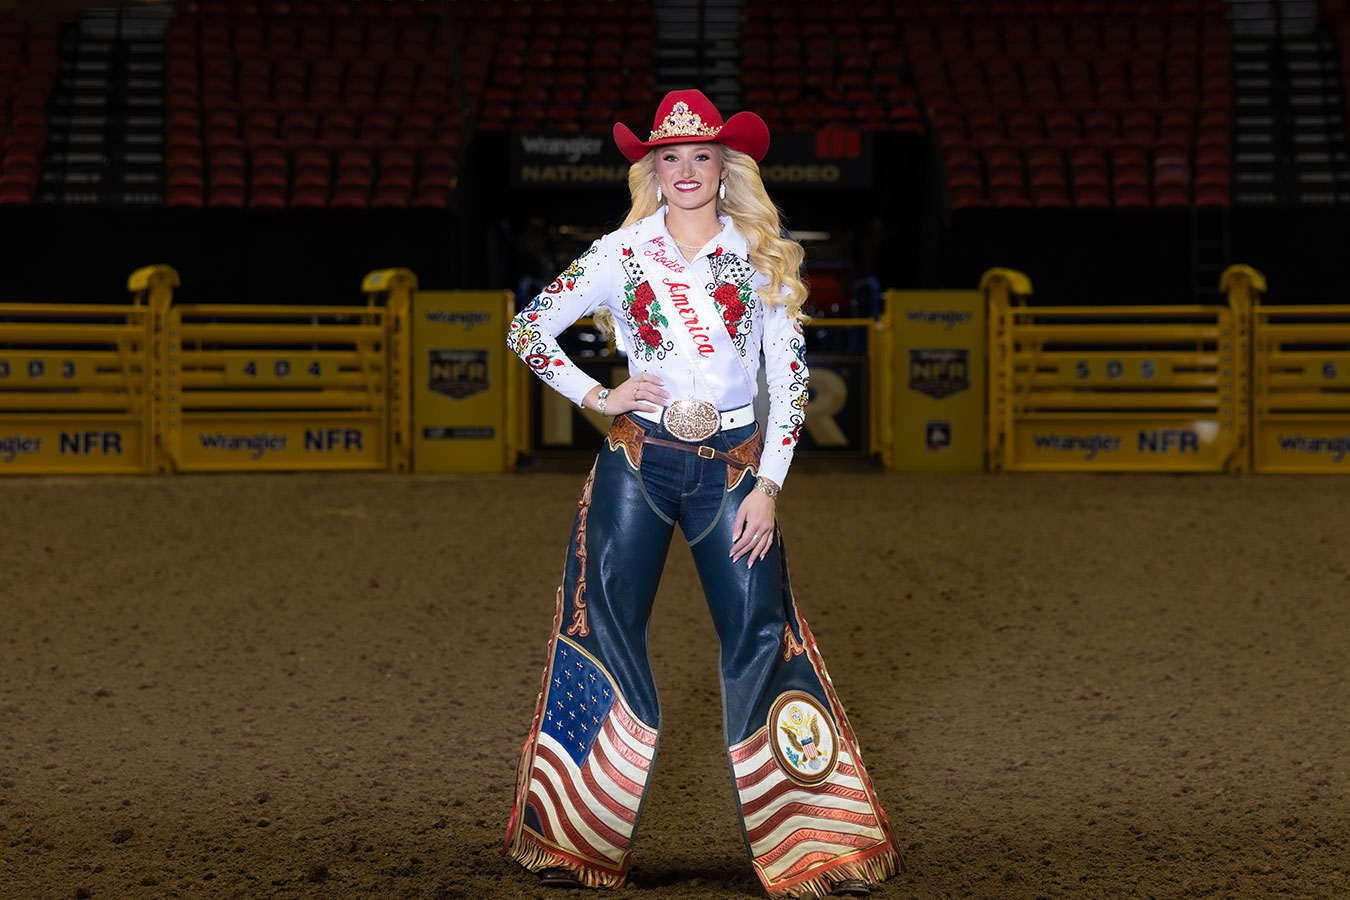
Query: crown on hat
{"x":682,"y":121}
{"x":686,"y":117}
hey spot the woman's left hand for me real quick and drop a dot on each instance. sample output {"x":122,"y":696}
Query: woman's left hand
{"x":752,"y":533}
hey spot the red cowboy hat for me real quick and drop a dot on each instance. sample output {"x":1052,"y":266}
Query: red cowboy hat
{"x":688,"y":117}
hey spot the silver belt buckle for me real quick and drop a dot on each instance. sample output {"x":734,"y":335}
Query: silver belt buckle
{"x":692,"y":420}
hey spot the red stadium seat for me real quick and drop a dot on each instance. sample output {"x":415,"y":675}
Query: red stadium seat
{"x":1024,"y":128}
{"x":226,"y":196}
{"x":184,"y":196}
{"x":1091,"y":196}
{"x":1047,"y":197}
{"x":1131,"y":196}
{"x":309,"y":197}
{"x":1212,"y":196}
{"x":967,"y":198}
{"x":964,"y":177}
{"x":391,"y":196}
{"x":1172,"y":196}
{"x":1009,"y":197}
{"x":432,"y":196}
{"x":351,"y":196}
{"x":267,"y":196}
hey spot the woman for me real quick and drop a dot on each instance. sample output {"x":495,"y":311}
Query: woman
{"x":694,"y":289}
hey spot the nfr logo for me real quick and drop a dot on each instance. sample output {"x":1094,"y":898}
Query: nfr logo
{"x":83,"y":443}
{"x":1165,"y":440}
{"x":939,"y":372}
{"x":457,"y":373}
{"x":333,"y":439}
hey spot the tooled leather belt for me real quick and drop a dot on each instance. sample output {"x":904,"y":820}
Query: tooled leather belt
{"x":702,"y":450}
{"x":632,"y":437}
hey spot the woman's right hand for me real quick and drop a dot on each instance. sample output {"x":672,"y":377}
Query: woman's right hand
{"x":644,"y":391}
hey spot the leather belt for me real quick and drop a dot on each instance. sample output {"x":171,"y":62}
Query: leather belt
{"x":702,"y":450}
{"x":628,"y":434}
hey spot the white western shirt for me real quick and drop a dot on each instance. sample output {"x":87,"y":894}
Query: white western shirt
{"x":698,"y":326}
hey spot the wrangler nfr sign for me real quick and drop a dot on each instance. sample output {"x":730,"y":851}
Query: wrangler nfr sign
{"x":939,"y":409}
{"x":460,"y":403}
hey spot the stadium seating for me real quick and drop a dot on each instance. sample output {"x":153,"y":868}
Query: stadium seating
{"x":1013,"y":90}
{"x":558,"y":66}
{"x":292,"y":104}
{"x":28,"y":67}
{"x":353,"y":104}
{"x":808,"y":66}
{"x":1136,"y":99}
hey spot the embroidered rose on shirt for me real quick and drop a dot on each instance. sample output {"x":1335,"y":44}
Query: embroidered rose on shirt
{"x":733,"y":302}
{"x":643,"y":310}
{"x":727,"y":297}
{"x":643,"y":298}
{"x":732,"y":315}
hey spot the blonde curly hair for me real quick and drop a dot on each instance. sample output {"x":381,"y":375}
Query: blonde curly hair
{"x":756,"y":217}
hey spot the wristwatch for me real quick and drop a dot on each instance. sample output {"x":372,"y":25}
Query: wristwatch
{"x":768,"y":487}
{"x":600,"y":400}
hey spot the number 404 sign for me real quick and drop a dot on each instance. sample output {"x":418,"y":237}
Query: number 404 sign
{"x":273,"y":369}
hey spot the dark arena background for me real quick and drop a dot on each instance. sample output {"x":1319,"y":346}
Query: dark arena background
{"x":281,"y":520}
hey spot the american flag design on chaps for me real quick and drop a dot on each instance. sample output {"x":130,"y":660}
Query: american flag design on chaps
{"x":803,"y":803}
{"x":591,"y":766}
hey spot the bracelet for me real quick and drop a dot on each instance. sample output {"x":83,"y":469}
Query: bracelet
{"x":768,"y":487}
{"x":600,"y":400}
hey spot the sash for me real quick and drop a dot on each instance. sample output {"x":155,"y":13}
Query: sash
{"x":695,"y":323}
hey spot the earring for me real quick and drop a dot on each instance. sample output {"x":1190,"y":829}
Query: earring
{"x":722,"y":190}
{"x":658,"y":193}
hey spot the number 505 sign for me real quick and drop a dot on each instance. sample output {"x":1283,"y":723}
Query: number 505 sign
{"x":1132,"y":370}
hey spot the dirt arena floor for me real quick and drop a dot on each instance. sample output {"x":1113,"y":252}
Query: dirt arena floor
{"x":317,"y":686}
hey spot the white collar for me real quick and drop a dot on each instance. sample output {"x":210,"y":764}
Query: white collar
{"x":654,"y":226}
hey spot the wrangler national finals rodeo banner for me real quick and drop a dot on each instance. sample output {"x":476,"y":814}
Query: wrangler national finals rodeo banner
{"x":828,"y":159}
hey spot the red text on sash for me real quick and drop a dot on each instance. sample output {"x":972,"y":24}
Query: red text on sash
{"x":699,"y":333}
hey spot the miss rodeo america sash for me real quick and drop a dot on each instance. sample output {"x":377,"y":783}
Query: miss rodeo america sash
{"x":678,"y":288}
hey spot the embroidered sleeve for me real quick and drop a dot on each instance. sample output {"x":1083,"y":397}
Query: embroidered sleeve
{"x":787,"y":378}
{"x":534,"y":331}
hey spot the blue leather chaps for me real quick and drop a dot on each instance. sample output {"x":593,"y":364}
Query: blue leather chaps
{"x":808,"y":808}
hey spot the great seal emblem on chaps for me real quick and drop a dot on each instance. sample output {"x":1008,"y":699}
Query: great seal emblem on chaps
{"x":803,"y":738}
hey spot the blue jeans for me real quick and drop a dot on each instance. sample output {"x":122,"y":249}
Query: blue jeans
{"x":585,"y":767}
{"x":689,"y":489}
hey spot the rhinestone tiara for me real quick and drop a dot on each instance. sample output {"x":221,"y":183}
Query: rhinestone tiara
{"x":682,"y":121}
